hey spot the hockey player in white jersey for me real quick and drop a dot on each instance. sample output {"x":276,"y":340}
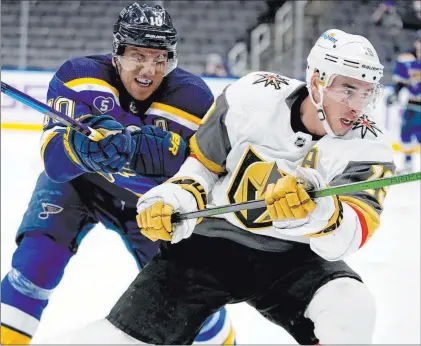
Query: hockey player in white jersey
{"x":267,"y":137}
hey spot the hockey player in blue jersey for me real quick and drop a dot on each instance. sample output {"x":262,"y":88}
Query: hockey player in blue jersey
{"x":407,"y":74}
{"x":148,"y":108}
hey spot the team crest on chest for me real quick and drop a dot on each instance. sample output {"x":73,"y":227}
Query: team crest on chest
{"x":366,"y":124}
{"x":270,"y":79}
{"x":251,"y":179}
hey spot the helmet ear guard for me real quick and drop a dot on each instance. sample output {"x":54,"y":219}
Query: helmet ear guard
{"x":146,"y":27}
{"x":338,"y":53}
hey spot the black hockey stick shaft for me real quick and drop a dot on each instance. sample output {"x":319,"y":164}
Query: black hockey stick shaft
{"x":330,"y":191}
{"x":51,"y":112}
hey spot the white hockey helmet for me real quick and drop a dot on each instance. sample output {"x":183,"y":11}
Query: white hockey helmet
{"x":339,"y":53}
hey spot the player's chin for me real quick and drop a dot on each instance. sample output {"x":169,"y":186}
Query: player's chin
{"x":340,"y":133}
{"x":342,"y":130}
{"x":141,"y":94}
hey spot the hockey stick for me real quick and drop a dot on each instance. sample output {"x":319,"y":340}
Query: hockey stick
{"x":330,"y":191}
{"x":52,"y":113}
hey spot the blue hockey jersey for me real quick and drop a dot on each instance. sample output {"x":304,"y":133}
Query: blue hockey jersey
{"x":408,"y":72}
{"x":91,"y":85}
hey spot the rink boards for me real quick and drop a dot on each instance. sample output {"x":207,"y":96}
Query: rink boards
{"x":15,"y":115}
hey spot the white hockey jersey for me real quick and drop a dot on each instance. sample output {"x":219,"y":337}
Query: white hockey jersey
{"x":247,"y":140}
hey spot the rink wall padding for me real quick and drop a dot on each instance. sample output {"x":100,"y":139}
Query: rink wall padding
{"x":17,"y":116}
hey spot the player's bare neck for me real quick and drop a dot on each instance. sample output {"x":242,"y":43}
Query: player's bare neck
{"x":310,"y":118}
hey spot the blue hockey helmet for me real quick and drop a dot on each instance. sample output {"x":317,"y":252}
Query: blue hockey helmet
{"x":146,"y":26}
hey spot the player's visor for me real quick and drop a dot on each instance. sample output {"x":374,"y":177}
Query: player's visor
{"x":131,"y":63}
{"x":355,"y":94}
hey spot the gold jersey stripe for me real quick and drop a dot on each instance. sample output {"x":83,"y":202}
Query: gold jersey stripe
{"x":81,"y":81}
{"x":371,"y":217}
{"x":67,"y":147}
{"x":44,"y":146}
{"x":176,"y":111}
{"x":212,"y":166}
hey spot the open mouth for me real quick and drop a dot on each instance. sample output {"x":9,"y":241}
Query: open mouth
{"x":144,"y":82}
{"x":347,"y":122}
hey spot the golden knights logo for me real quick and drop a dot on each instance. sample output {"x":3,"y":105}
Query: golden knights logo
{"x":274,"y":80}
{"x":366,"y":124}
{"x":251,"y":180}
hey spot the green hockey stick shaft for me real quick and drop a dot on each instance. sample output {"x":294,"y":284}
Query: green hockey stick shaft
{"x":330,"y":191}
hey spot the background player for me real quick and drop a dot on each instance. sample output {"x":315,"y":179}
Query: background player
{"x":407,"y":74}
{"x":85,"y":182}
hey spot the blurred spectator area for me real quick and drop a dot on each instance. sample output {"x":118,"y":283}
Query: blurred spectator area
{"x":58,"y":30}
{"x":355,"y":17}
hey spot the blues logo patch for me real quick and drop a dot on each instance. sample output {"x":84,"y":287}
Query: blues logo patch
{"x":49,"y":209}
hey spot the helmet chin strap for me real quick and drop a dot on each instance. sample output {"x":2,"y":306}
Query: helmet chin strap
{"x":321,"y":113}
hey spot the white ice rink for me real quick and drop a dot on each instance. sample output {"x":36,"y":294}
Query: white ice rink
{"x":102,"y":269}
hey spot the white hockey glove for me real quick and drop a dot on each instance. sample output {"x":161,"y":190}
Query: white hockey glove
{"x":292,"y":210}
{"x":156,"y":206}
